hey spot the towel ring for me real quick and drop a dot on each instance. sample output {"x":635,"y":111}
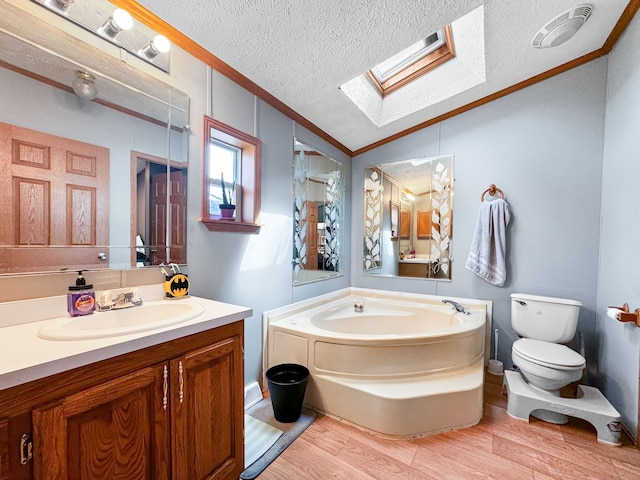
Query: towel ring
{"x":491,"y":191}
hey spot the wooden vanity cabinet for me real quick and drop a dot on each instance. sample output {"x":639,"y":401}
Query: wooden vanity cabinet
{"x":117,"y":429}
{"x":207,"y":412}
{"x":179,"y":416}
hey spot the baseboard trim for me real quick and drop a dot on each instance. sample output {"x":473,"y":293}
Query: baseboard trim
{"x":252,"y":395}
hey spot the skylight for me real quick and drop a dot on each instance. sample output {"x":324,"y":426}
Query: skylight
{"x":465,"y":71}
{"x":413,"y":62}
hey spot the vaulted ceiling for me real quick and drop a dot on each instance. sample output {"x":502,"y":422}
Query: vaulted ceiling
{"x":302,"y":51}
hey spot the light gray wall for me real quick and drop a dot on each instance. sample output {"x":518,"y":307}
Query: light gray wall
{"x":252,"y":270}
{"x":618,"y":349}
{"x":543,"y":147}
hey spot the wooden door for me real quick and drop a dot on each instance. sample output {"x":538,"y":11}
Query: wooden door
{"x":178,"y":205}
{"x":54,"y":201}
{"x":117,"y":430}
{"x":158,"y":217}
{"x":312,"y":236}
{"x":207,"y":412}
{"x":405,"y":224}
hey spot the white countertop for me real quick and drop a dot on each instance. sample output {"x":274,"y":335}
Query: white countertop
{"x":25,"y":357}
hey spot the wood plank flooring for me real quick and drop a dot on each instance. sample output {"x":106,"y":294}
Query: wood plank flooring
{"x":499,"y":447}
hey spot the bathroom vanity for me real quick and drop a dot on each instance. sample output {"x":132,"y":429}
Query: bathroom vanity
{"x":161,"y":404}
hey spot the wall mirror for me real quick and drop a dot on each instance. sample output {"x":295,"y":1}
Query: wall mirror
{"x":408,"y":218}
{"x":86,"y":183}
{"x":318,"y":215}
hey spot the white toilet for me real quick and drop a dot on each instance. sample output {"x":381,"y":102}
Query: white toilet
{"x":544,"y":323}
{"x":546,"y":365}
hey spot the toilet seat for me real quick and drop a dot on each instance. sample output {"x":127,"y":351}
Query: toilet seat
{"x":547,"y":354}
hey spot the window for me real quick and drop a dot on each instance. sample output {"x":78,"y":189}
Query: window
{"x":224,"y":165}
{"x":234,"y":156}
{"x":413,"y":62}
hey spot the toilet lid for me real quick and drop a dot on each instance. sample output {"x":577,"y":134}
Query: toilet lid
{"x":548,"y":354}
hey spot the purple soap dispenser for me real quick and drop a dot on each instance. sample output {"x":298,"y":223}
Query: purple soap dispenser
{"x":81,"y":299}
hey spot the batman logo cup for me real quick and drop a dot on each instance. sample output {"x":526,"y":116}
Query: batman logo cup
{"x":177,"y":285}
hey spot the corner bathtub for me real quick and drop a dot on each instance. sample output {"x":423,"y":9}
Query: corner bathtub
{"x":406,"y":366}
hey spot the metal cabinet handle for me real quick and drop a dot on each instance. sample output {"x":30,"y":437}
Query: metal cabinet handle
{"x":165,"y":387}
{"x":26,"y":449}
{"x":180,"y":382}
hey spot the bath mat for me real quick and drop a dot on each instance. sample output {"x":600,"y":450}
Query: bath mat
{"x":264,"y":412}
{"x":258,"y":438}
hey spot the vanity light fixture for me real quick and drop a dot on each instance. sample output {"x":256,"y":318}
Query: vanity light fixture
{"x":159,"y":44}
{"x":84,"y":85}
{"x":118,"y":21}
{"x":120,"y":29}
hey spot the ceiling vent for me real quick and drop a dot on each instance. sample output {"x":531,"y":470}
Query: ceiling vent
{"x":563,"y":27}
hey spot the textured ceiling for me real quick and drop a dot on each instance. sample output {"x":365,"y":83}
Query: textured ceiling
{"x":301,"y":51}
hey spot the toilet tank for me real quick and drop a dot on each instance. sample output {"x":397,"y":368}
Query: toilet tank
{"x":544,"y":318}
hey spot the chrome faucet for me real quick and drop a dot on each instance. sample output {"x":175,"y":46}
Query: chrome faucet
{"x":358,"y":307}
{"x":121,"y":300}
{"x":456,"y":305}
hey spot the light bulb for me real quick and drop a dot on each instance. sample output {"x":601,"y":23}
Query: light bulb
{"x":118,"y":21}
{"x":83,"y":86}
{"x":159,"y":44}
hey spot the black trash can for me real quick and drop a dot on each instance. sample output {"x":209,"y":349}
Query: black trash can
{"x":287,"y":383}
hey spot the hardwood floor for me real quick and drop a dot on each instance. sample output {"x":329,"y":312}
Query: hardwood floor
{"x":499,"y":447}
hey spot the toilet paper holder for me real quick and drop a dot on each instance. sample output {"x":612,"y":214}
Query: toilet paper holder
{"x":624,"y":315}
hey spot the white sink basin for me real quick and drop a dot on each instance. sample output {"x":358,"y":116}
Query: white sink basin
{"x":149,"y":316}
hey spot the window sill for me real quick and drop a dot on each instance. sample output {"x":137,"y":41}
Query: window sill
{"x":214,"y":225}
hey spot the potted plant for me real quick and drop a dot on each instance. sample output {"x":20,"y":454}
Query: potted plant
{"x":226,"y":207}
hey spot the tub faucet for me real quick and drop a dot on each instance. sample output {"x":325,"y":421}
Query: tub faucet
{"x":358,"y":307}
{"x":456,"y":305}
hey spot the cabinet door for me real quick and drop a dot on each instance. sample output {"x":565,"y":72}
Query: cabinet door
{"x":207,"y":412}
{"x":5,"y":463}
{"x":116,"y":430}
{"x":15,"y":461}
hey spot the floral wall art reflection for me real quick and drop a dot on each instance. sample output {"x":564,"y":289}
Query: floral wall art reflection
{"x":318,"y":184}
{"x":372,"y":219}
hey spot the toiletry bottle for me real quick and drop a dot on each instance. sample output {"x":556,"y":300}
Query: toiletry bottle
{"x":81,"y":299}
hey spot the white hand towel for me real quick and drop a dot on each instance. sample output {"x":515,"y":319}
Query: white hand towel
{"x":489,"y":244}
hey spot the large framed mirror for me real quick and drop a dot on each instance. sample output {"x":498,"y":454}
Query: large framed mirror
{"x":86,"y":183}
{"x":318,"y":215}
{"x":408,"y":216}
